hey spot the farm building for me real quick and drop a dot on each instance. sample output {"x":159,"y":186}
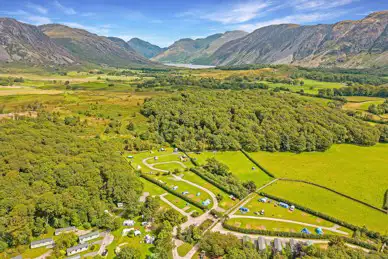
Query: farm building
{"x":77,"y":249}
{"x":278,"y":245}
{"x":128,"y":223}
{"x":126,"y":231}
{"x":305,"y":231}
{"x":90,"y":236}
{"x":59,"y":231}
{"x":42,"y":243}
{"x":319,"y":231}
{"x":261,"y":243}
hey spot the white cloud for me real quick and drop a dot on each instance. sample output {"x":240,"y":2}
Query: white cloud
{"x":37,"y":8}
{"x":38,"y":20}
{"x":297,"y":18}
{"x":64,"y":9}
{"x":16,"y":13}
{"x":231,"y":14}
{"x":313,"y":5}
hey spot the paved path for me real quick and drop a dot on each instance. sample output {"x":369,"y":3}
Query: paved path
{"x":333,"y":229}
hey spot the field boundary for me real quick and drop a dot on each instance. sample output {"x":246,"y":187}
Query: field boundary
{"x":297,"y":235}
{"x":197,"y":204}
{"x":336,"y":192}
{"x":257,"y":164}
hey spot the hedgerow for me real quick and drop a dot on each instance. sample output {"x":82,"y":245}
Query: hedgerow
{"x":257,"y":164}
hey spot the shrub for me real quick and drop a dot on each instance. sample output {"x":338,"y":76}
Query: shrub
{"x":386,"y":200}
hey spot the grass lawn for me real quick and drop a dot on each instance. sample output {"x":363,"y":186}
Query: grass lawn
{"x":273,"y":211}
{"x":226,"y":202}
{"x":238,"y":164}
{"x":272,"y":225}
{"x":184,"y":249}
{"x":330,"y":204}
{"x":169,"y":167}
{"x":182,"y":204}
{"x":360,"y":172}
{"x":358,"y":99}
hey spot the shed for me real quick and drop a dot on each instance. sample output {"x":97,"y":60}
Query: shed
{"x":42,"y":243}
{"x":59,"y":231}
{"x":90,"y":236}
{"x":77,"y":249}
{"x":278,"y":245}
{"x":261,"y":243}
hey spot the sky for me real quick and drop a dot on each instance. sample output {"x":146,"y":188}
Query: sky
{"x":162,"y":22}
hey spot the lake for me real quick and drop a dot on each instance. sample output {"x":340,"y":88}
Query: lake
{"x":188,"y":66}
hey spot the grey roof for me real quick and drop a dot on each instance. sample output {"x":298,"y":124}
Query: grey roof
{"x":89,"y":235}
{"x":42,"y":241}
{"x":278,"y":244}
{"x":17,"y":257}
{"x":261,"y":243}
{"x":59,"y":230}
{"x":77,"y":247}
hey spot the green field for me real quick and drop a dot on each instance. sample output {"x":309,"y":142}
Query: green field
{"x":273,"y":211}
{"x":272,"y":225}
{"x":184,"y":249}
{"x":238,"y":164}
{"x":360,"y":172}
{"x":182,"y":204}
{"x":330,"y":204}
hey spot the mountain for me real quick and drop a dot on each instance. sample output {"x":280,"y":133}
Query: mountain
{"x":92,"y":48}
{"x":362,"y":43}
{"x":197,"y":51}
{"x":145,"y":48}
{"x":24,"y":43}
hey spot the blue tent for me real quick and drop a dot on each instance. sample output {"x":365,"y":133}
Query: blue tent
{"x":305,"y":231}
{"x":319,"y":231}
{"x":284,"y":205}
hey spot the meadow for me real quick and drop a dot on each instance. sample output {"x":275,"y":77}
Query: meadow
{"x":330,"y":204}
{"x":248,"y":223}
{"x":360,"y":172}
{"x":238,"y":163}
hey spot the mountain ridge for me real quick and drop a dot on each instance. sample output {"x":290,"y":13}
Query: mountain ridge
{"x":145,"y":48}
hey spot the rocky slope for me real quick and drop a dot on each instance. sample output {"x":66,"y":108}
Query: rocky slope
{"x":145,"y":48}
{"x":92,"y":48}
{"x":362,"y":43}
{"x":197,"y":51}
{"x":24,"y":43}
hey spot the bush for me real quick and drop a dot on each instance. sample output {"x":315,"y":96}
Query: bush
{"x":195,"y":214}
{"x":216,"y":213}
{"x":386,"y":200}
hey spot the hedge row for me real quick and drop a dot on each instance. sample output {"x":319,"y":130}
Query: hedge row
{"x":257,"y":164}
{"x":183,"y":197}
{"x":296,"y":235}
{"x":218,"y":185}
{"x":371,"y":234}
{"x":386,"y":200}
{"x":336,"y":192}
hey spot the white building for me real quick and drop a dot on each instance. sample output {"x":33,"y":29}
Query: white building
{"x":59,"y":231}
{"x":90,"y":236}
{"x":77,"y":249}
{"x":42,"y":243}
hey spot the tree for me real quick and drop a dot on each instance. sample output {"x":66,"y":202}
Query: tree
{"x":131,"y":126}
{"x":129,"y":253}
{"x":150,"y":207}
{"x":217,"y":244}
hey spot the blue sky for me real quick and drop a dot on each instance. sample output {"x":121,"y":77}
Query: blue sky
{"x":163,"y":21}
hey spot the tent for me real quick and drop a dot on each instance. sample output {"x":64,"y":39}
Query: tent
{"x":319,"y":231}
{"x":305,"y":231}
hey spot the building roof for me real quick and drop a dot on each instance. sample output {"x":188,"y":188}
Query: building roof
{"x":77,"y":247}
{"x":59,"y":230}
{"x":278,"y":244}
{"x":261,"y":243}
{"x":42,"y":241}
{"x":17,"y":257}
{"x":92,"y":234}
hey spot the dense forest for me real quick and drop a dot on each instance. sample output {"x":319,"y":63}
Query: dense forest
{"x":51,"y":177}
{"x":373,"y":91}
{"x":252,"y":120}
